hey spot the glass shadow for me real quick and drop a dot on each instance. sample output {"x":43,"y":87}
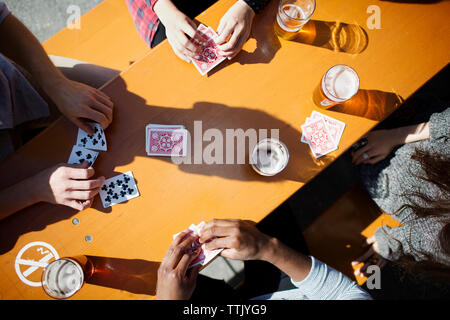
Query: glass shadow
{"x":333,"y":35}
{"x":132,"y":275}
{"x":370,"y":104}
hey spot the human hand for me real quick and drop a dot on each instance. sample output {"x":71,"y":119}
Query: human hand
{"x":237,"y":23}
{"x":81,"y":103}
{"x":370,"y":257}
{"x":380,"y":144}
{"x":175,"y":280}
{"x":181,"y":31}
{"x":240,"y":239}
{"x":69,"y":185}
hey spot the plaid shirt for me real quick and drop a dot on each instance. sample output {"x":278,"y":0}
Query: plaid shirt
{"x":145,"y":19}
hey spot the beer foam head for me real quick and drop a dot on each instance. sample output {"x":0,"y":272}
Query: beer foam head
{"x":270,"y":157}
{"x":63,"y":278}
{"x":342,"y":82}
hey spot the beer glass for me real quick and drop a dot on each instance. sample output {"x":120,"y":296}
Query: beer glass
{"x":64,"y":277}
{"x":339,"y":84}
{"x":292,"y":15}
{"x":269,"y":157}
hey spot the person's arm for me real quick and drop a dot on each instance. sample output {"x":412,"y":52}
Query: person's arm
{"x":75,"y":100}
{"x":241,"y":240}
{"x":380,"y":143}
{"x":145,"y":18}
{"x":69,"y":185}
{"x":181,"y":31}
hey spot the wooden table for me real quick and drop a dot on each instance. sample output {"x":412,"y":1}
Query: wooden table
{"x":269,"y":85}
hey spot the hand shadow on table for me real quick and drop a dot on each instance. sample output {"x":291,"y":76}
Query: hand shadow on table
{"x":133,"y":275}
{"x":126,"y":138}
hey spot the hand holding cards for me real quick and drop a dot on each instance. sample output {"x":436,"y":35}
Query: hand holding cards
{"x":210,"y":55}
{"x":322,"y":133}
{"x":205,"y":256}
{"x":114,"y":190}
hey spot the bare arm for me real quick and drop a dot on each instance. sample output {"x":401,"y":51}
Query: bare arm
{"x":77,"y":101}
{"x":21,"y":46}
{"x":69,"y":185}
{"x":380,"y":143}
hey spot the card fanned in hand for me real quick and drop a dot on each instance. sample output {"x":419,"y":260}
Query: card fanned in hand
{"x":210,"y":55}
{"x":205,"y":256}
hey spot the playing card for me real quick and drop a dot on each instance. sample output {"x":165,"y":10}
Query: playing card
{"x":318,"y":137}
{"x":167,"y":142}
{"x":158,"y":126}
{"x":80,"y":154}
{"x":97,"y":141}
{"x":205,"y":256}
{"x":335,"y":127}
{"x":118,"y":189}
{"x":210,"y":55}
{"x":303,"y":139}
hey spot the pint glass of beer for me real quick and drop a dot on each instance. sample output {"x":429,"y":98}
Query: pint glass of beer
{"x":269,"y":157}
{"x":339,"y":84}
{"x":292,"y":15}
{"x":62,"y":278}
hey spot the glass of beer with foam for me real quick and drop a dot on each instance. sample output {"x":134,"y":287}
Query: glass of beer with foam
{"x":339,"y":84}
{"x":292,"y":15}
{"x":64,"y":277}
{"x":269,"y":157}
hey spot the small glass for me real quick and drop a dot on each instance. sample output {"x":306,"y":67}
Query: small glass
{"x":292,"y":15}
{"x":339,"y":84}
{"x":64,"y":277}
{"x":269,"y":157}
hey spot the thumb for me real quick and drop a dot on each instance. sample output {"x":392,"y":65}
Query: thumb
{"x":83,"y":125}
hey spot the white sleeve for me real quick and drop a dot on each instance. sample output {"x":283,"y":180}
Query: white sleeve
{"x":326,"y":283}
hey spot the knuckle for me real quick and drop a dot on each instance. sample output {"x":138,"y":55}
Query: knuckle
{"x":235,"y":243}
{"x":173,"y":275}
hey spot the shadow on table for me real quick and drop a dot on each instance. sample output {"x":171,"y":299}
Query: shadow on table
{"x":333,"y":35}
{"x":370,"y":104}
{"x":132,"y":275}
{"x":126,"y":141}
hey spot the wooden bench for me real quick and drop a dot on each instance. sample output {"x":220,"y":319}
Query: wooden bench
{"x":335,"y":237}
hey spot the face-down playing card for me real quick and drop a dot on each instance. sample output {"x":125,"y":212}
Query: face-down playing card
{"x":318,"y":137}
{"x":210,"y":55}
{"x":97,"y":141}
{"x":158,"y":126}
{"x":80,"y":155}
{"x":118,"y":189}
{"x":205,"y":256}
{"x":166,"y":142}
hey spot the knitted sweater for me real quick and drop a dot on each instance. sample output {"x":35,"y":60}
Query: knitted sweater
{"x":388,"y":181}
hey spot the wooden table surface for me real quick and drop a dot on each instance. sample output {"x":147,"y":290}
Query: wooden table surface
{"x":268,"y":85}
